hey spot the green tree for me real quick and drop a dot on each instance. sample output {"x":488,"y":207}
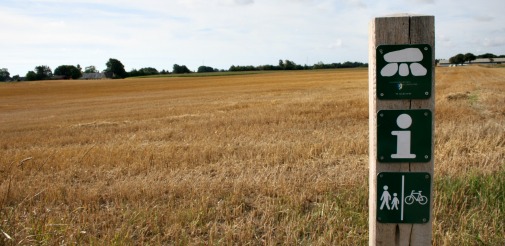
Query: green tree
{"x":457,"y":59}
{"x":43,"y":72}
{"x":115,"y":69}
{"x":143,"y":72}
{"x":40,"y":73}
{"x":281,"y":64}
{"x":69,"y":71}
{"x":4,"y":74}
{"x":319,"y":65}
{"x":180,"y":69}
{"x":469,"y":57}
{"x":31,"y":76}
{"x":149,"y":71}
{"x":289,"y":65}
{"x":90,"y":69}
{"x":487,"y":55}
{"x":205,"y":69}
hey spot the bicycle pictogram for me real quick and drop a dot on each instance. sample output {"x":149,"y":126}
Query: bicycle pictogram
{"x":416,"y":197}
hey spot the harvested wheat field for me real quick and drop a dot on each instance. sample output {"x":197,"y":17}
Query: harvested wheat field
{"x":254,"y":159}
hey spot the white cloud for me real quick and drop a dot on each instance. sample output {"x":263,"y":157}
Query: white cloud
{"x":494,"y":42}
{"x":244,"y":2}
{"x":484,"y":18}
{"x":426,"y":1}
{"x":336,"y":44}
{"x":357,"y":3}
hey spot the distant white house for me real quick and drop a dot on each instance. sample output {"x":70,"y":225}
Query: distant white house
{"x":93,"y":76}
{"x":443,"y":63}
{"x":489,"y":61}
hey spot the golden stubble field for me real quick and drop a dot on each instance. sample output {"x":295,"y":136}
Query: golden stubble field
{"x":258,"y":159}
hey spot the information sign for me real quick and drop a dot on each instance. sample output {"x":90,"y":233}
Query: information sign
{"x":404,"y":135}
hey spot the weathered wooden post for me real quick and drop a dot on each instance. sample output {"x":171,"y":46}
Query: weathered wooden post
{"x":401,"y":123}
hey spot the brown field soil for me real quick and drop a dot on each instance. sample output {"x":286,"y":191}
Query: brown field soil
{"x":257,"y":159}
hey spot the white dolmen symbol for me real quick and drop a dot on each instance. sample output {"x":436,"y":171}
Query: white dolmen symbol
{"x":398,"y":63}
{"x":403,"y":121}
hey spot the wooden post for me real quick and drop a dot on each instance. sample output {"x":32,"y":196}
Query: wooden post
{"x":402,"y":29}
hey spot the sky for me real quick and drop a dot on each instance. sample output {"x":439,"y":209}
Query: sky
{"x":221,"y":33}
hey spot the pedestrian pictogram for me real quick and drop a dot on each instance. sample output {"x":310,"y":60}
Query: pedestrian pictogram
{"x":404,"y":71}
{"x":409,"y":200}
{"x":404,"y":135}
{"x":385,"y":198}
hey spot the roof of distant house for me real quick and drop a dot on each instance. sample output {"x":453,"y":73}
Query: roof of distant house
{"x":93,"y":76}
{"x":488,"y":60}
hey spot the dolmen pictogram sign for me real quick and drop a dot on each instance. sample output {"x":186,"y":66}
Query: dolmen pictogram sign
{"x":404,"y":71}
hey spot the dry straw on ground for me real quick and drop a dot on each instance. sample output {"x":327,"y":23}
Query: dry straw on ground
{"x":258,"y":159}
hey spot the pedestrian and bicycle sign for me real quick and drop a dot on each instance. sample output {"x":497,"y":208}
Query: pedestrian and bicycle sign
{"x":404,"y":71}
{"x":404,"y":135}
{"x":403,"y":197}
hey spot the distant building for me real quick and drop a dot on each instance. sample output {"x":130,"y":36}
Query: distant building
{"x":490,"y":61}
{"x":88,"y":76}
{"x":480,"y":61}
{"x":444,"y":63}
{"x":59,"y":77}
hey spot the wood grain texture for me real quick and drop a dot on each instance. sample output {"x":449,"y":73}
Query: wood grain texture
{"x":399,"y":29}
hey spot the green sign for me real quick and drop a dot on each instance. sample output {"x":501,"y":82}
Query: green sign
{"x":404,"y":135}
{"x":404,"y":71}
{"x":403,"y":197}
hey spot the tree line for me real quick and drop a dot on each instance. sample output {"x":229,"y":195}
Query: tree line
{"x":115,"y":70}
{"x":290,"y":65}
{"x":469,"y":57}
